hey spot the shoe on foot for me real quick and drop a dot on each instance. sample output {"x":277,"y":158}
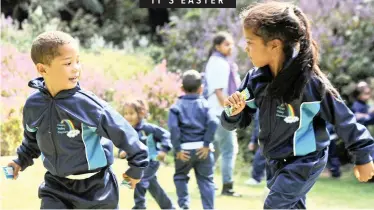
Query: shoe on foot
{"x":227,"y":190}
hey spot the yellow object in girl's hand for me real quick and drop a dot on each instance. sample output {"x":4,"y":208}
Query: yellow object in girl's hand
{"x":244,"y":95}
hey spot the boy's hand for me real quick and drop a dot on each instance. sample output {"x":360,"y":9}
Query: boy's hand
{"x":122,"y":155}
{"x":161,"y":156}
{"x":183,"y":156}
{"x":236,"y":101}
{"x":251,"y":147}
{"x":16,"y":169}
{"x":364,"y":172}
{"x":130,"y":180}
{"x":203,"y":152}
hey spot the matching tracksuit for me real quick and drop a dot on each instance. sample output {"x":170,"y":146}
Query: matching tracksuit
{"x":149,"y":132}
{"x":192,"y":126}
{"x":294,"y":138}
{"x":74,"y":133}
{"x":361,"y":107}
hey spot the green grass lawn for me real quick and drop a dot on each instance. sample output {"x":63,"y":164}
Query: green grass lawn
{"x":345,"y":193}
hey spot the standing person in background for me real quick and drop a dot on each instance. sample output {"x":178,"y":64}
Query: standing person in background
{"x":259,"y":161}
{"x":192,"y":125}
{"x":222,"y":80}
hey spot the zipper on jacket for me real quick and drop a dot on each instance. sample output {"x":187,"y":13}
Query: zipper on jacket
{"x":51,"y":133}
{"x":270,"y":118}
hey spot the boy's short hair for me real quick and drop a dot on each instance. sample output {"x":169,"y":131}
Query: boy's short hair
{"x":191,"y":81}
{"x":45,"y":46}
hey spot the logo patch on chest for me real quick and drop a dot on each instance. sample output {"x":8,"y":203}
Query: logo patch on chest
{"x":287,"y":112}
{"x":66,"y":126}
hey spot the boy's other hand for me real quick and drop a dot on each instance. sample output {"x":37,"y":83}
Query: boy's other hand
{"x":183,"y":156}
{"x":16,"y":169}
{"x":130,"y":180}
{"x":364,"y":172}
{"x":161,"y":156}
{"x":251,"y":147}
{"x":122,"y":155}
{"x":203,"y":152}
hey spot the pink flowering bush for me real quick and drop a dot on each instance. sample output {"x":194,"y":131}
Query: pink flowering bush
{"x":158,"y":88}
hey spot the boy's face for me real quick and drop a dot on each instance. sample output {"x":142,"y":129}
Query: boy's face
{"x":64,"y":71}
{"x":225,"y":47}
{"x":257,"y":51}
{"x":131,"y":115}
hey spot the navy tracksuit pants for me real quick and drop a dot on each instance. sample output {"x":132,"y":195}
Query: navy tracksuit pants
{"x":99,"y":191}
{"x":149,"y":182}
{"x":204,"y":175}
{"x":289,"y":180}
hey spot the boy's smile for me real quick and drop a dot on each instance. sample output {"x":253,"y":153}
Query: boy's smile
{"x":63,"y":73}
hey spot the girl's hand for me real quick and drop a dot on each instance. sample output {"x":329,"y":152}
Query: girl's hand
{"x":235,"y":102}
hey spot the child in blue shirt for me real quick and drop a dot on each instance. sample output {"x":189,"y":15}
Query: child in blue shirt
{"x":192,"y":126}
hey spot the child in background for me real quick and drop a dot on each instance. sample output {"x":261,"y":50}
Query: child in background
{"x":259,"y":161}
{"x":135,"y":112}
{"x":71,"y":129}
{"x":192,"y":126}
{"x":295,"y":99}
{"x":364,"y":113}
{"x":221,"y":79}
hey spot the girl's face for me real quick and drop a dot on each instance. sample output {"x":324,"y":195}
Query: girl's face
{"x":225,"y":47}
{"x":259,"y":53}
{"x":365,"y":94}
{"x":131,"y":115}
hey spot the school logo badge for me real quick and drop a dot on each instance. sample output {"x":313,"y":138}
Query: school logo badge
{"x":291,"y":115}
{"x":71,"y":132}
{"x":287,"y":112}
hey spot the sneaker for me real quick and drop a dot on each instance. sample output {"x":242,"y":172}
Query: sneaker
{"x":227,"y":190}
{"x":252,"y":182}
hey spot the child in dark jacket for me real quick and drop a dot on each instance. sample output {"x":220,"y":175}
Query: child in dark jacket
{"x":73,"y":130}
{"x":192,"y":126}
{"x":158,"y":141}
{"x":295,"y":99}
{"x":364,"y":113}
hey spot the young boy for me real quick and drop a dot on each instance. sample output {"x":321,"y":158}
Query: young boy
{"x":70,"y":128}
{"x":192,"y":126}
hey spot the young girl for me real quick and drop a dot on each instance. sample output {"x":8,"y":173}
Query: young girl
{"x":295,"y":100}
{"x":135,"y":112}
{"x":363,"y":112}
{"x":222,"y":80}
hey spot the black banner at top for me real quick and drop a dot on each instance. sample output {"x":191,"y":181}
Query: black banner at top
{"x":187,"y":4}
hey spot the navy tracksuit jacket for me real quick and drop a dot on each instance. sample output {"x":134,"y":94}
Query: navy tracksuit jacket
{"x":74,"y":132}
{"x":294,"y":138}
